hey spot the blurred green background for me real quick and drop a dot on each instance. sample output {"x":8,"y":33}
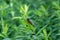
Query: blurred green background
{"x":29,"y":19}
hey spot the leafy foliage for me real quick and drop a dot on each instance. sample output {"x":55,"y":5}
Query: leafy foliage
{"x":29,"y":20}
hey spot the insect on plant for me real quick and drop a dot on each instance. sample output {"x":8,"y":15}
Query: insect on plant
{"x":30,"y":21}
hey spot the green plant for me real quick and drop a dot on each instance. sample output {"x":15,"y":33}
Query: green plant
{"x":29,"y":20}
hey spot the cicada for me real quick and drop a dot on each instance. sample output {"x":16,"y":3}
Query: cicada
{"x":30,"y":21}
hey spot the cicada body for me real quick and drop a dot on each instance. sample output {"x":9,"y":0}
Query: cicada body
{"x":30,"y":21}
